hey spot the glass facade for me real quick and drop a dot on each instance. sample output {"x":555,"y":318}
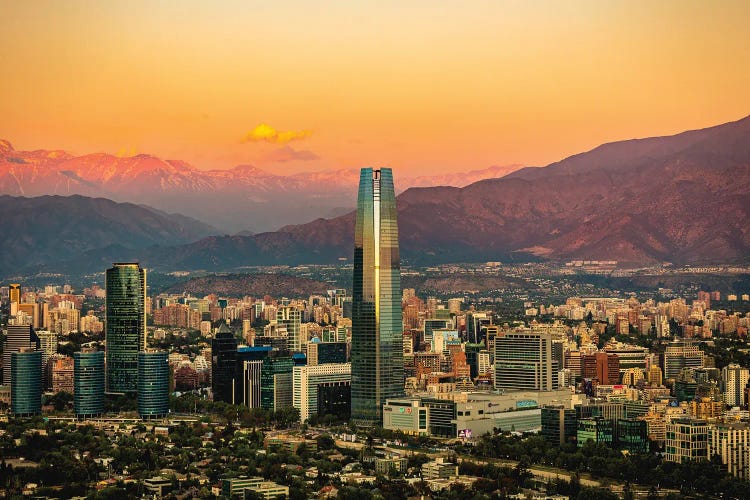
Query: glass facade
{"x":223,"y":365}
{"x":125,"y":325}
{"x":153,"y":384}
{"x":276,"y":382}
{"x":26,"y":383}
{"x":377,"y":338}
{"x":88,"y":383}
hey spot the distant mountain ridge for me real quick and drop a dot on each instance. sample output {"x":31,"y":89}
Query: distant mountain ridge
{"x":236,"y":199}
{"x":48,"y":229}
{"x":681,"y":199}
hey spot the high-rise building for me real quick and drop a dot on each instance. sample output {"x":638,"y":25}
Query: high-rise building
{"x":153,"y":384}
{"x":88,"y":382}
{"x":377,"y":346}
{"x":17,"y":337}
{"x":249,"y":370}
{"x":559,"y":425}
{"x":601,"y":366}
{"x":47,"y":344}
{"x":687,"y":440}
{"x":276,"y":382}
{"x":14,"y":294}
{"x":681,"y":354}
{"x":523,"y":361}
{"x":59,"y":371}
{"x":312,"y":382}
{"x":125,"y":325}
{"x":26,"y":382}
{"x":291,"y":318}
{"x":319,"y":353}
{"x":735,"y":380}
{"x":223,"y":365}
{"x":731,"y":442}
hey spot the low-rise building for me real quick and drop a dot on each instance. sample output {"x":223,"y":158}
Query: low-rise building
{"x":266,"y":489}
{"x":439,"y":469}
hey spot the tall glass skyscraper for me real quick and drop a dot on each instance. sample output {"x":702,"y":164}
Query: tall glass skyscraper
{"x":126,"y":325}
{"x":377,"y":336}
{"x":88,"y":382}
{"x":26,"y":382}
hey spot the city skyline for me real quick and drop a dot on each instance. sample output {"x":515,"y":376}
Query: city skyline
{"x":424,"y":88}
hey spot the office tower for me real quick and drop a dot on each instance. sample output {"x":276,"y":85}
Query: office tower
{"x":291,"y":319}
{"x":252,"y":372}
{"x":26,"y":382}
{"x":377,"y":346}
{"x":333,"y":380}
{"x":681,"y":354}
{"x":125,"y":325}
{"x":559,"y":425}
{"x":654,"y":375}
{"x":472,"y":357}
{"x":735,"y":379}
{"x":248,"y":375}
{"x":14,"y":295}
{"x":47,"y":344}
{"x":59,"y":371}
{"x":88,"y":382}
{"x":320,"y":353}
{"x":572,"y":361}
{"x":523,"y":361}
{"x":276,"y":382}
{"x":153,"y":384}
{"x":223,"y":364}
{"x":484,"y":364}
{"x":687,"y":440}
{"x":601,"y":366}
{"x":17,"y":337}
{"x":731,"y":442}
{"x":475,"y":324}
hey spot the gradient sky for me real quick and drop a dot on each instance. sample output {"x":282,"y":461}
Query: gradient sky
{"x":423,"y":86}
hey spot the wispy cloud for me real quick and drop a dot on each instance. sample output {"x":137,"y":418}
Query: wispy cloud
{"x":266,"y":133}
{"x":288,"y":153}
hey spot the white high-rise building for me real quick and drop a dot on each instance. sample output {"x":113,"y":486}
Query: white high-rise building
{"x":291,"y":318}
{"x":735,"y":379}
{"x":309,"y":383}
{"x":731,"y":442}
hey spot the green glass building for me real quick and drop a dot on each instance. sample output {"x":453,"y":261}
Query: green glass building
{"x":153,"y":384}
{"x":88,"y":383}
{"x":125,"y":325}
{"x":377,"y":334}
{"x":276,"y":382}
{"x":26,"y":383}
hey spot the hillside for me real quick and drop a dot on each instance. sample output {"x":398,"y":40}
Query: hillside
{"x":256,"y":285}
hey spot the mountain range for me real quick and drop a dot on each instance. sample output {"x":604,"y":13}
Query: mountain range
{"x":682,"y":199}
{"x":234,"y":200}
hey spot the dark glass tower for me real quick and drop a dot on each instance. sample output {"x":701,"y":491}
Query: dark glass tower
{"x":224,"y":365}
{"x":126,"y":325}
{"x":26,"y":382}
{"x":153,"y":384}
{"x":377,"y":345}
{"x":88,"y":383}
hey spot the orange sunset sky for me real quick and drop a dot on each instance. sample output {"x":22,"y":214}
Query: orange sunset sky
{"x":422,"y":86}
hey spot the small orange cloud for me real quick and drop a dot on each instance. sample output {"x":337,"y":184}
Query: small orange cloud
{"x":266,"y":133}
